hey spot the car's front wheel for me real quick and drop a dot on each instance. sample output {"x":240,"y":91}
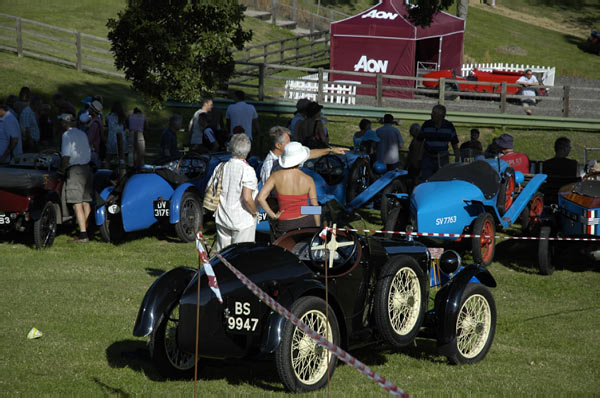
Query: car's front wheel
{"x":400,"y":301}
{"x":44,"y":228}
{"x":484,"y":246}
{"x":302,"y":364}
{"x":170,"y":361}
{"x":190,"y":217}
{"x":475,"y":325}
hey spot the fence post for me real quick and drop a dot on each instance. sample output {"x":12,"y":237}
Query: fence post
{"x":261,"y":82}
{"x":19,"y":38}
{"x":503,"y":98}
{"x":566,"y":98}
{"x":312,"y":23}
{"x":295,"y":10}
{"x":442,"y":90}
{"x":273,"y":12}
{"x":256,"y":4}
{"x":297,"y":48}
{"x":79,"y":55}
{"x":331,"y":16}
{"x":320,"y":95}
{"x":265,"y":53}
{"x":379,"y":88}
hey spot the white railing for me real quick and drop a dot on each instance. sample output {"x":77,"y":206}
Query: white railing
{"x":335,"y":92}
{"x":547,"y":73}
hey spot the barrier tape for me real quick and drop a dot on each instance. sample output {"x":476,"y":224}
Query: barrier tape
{"x":441,"y":235}
{"x":333,"y":348}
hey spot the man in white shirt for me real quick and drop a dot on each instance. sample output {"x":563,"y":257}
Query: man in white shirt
{"x":528,"y":80}
{"x":10,"y":135}
{"x":76,"y":156}
{"x":390,"y":143}
{"x":242,"y":114}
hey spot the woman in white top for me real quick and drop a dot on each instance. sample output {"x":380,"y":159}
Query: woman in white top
{"x":236,"y":214}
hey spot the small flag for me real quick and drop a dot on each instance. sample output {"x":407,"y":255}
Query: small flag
{"x":323,"y":234}
{"x":34,"y":334}
{"x":210,"y":273}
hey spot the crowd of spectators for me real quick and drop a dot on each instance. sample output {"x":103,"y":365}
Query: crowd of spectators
{"x":29,"y":125}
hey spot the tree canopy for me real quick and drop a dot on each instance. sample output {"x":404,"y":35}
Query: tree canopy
{"x":422,"y":14}
{"x":177,"y":49}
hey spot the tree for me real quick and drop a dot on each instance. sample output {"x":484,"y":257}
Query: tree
{"x":177,"y":49}
{"x":422,"y":13}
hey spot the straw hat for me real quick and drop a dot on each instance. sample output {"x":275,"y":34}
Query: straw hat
{"x":293,"y":154}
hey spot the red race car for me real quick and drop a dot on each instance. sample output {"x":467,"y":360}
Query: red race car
{"x":495,"y":76}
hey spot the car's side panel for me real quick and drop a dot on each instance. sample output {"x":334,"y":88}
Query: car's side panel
{"x":137,"y":200}
{"x":162,"y":293}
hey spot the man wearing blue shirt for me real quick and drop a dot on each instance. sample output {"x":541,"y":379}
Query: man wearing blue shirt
{"x":10,"y":135}
{"x":390,"y":142}
{"x":437,"y":133}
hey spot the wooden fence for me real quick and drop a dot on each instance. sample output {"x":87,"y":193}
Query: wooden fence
{"x":50,"y":43}
{"x":270,"y":84}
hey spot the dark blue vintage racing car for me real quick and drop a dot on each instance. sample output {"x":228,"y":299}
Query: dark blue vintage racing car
{"x":378,"y":289}
{"x":470,"y":198}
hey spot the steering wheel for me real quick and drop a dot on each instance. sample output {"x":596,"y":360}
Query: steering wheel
{"x":331,"y":168}
{"x":340,"y":252}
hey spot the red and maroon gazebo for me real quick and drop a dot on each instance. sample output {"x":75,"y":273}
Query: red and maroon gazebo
{"x":383,"y":40}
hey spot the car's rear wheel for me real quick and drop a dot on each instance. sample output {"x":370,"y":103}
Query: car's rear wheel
{"x":170,"y":361}
{"x":475,"y":325}
{"x":532,"y":212}
{"x":359,"y":179}
{"x":484,"y":246}
{"x":387,"y":204}
{"x":400,"y":301}
{"x":545,"y":252}
{"x":44,"y":228}
{"x":190,"y":217}
{"x":301,"y":363}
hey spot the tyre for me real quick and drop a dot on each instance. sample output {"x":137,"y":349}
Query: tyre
{"x":545,"y":252}
{"x":301,"y":363}
{"x":530,"y":215}
{"x":484,"y":246}
{"x":44,"y":228}
{"x":507,"y":188}
{"x":475,"y":325}
{"x":112,"y":228}
{"x":400,"y":301}
{"x":396,"y":186}
{"x":359,"y":179}
{"x":190,"y":217}
{"x":170,"y":361}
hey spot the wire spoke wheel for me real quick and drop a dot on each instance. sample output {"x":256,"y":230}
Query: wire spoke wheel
{"x":309,"y":359}
{"x":178,"y":359}
{"x":190,"y":218}
{"x":44,"y":228}
{"x":405,"y":301}
{"x":473,"y":326}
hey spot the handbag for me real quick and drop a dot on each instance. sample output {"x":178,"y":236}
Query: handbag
{"x":213,"y":190}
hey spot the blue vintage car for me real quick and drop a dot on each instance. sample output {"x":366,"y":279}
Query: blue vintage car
{"x":468,"y":198}
{"x":170,"y":192}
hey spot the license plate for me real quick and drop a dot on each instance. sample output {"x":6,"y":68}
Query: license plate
{"x":161,"y":208}
{"x":242,"y":316}
{"x":4,"y":219}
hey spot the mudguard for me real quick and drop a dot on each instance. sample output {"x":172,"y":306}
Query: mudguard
{"x":522,"y":200}
{"x":164,"y":291}
{"x":176,"y":201}
{"x":375,"y":188}
{"x":447,"y":302}
{"x":101,"y":210}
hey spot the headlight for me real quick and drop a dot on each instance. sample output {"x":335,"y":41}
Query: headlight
{"x":114,"y":209}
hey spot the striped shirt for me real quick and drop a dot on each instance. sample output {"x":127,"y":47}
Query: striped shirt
{"x":437,"y":139}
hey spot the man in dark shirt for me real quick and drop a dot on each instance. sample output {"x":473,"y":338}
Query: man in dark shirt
{"x":559,"y":165}
{"x":472,"y":148}
{"x":437,"y":133}
{"x":168,"y":138}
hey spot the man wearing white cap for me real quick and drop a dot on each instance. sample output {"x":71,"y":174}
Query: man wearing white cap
{"x":76,"y":155}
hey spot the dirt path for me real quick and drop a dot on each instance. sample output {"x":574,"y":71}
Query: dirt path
{"x":544,"y":22}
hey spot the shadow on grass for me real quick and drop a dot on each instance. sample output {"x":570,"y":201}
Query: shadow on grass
{"x":110,"y":390}
{"x":155,"y":272}
{"x":521,"y":256}
{"x":562,"y":313}
{"x":422,"y":349}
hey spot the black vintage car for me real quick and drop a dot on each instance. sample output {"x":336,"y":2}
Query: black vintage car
{"x":377,"y":289}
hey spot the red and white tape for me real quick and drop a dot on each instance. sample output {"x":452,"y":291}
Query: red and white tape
{"x":333,"y":348}
{"x":440,"y":235}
